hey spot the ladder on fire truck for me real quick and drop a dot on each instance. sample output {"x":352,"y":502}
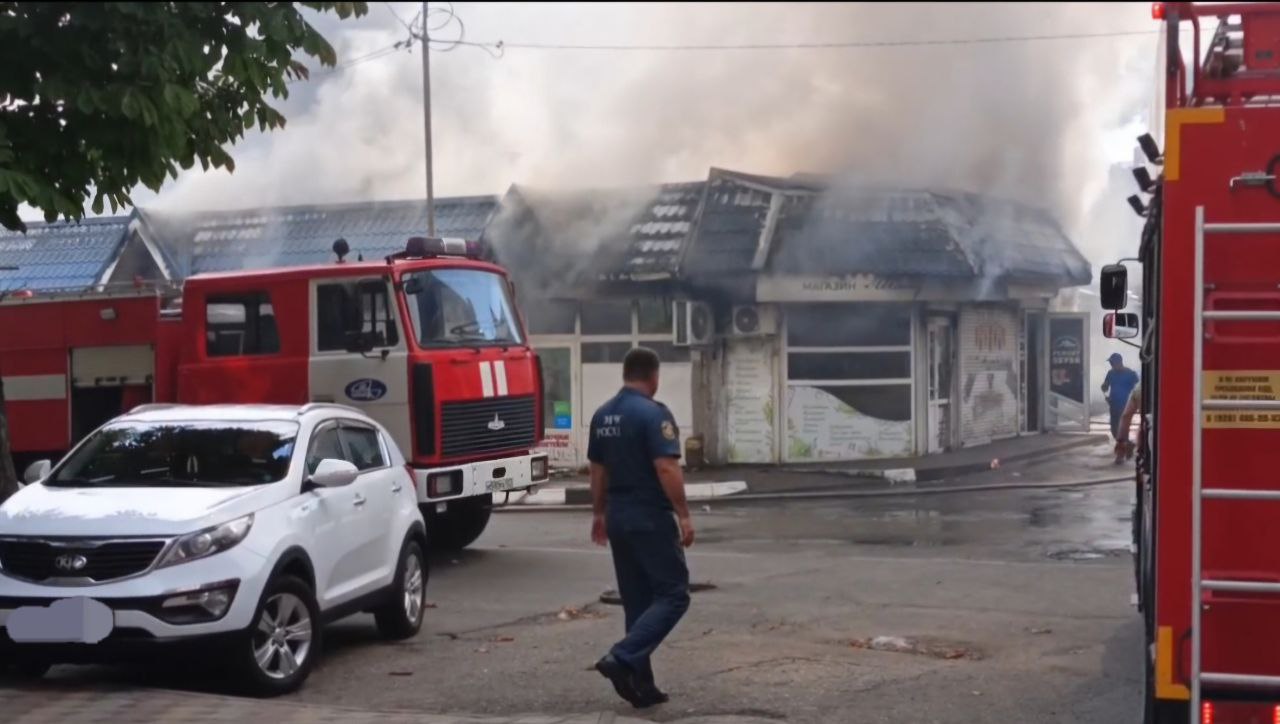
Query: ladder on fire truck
{"x":1199,"y":584}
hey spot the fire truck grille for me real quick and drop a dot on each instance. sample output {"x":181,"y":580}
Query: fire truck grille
{"x":38,"y":560}
{"x":487,"y":426}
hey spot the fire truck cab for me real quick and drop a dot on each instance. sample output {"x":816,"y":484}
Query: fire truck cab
{"x":428,"y":342}
{"x":1207,"y":567}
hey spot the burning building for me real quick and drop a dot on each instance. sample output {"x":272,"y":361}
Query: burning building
{"x":799,"y":319}
{"x":803,"y":319}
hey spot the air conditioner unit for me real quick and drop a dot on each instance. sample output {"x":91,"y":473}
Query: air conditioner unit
{"x":754,"y":320}
{"x":694,"y":323}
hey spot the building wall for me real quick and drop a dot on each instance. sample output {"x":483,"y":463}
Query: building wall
{"x":989,"y":384}
{"x":751,"y":406}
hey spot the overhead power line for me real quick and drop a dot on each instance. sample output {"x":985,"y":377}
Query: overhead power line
{"x":831,"y":45}
{"x":497,"y":48}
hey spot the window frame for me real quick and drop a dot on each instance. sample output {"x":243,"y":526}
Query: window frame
{"x":250,"y":300}
{"x":349,"y":424}
{"x":339,"y":423}
{"x":908,"y":382}
{"x":394,"y":312}
{"x":516,"y":320}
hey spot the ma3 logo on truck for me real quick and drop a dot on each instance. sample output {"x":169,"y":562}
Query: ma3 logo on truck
{"x":366,"y":390}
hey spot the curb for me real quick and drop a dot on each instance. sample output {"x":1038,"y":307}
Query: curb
{"x":581,"y":494}
{"x":897,"y":476}
{"x":838,"y":494}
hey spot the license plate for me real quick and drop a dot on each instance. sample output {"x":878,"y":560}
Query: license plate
{"x":68,"y":621}
{"x":500,"y":485}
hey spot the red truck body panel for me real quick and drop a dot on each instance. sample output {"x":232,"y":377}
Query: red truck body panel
{"x":40,"y":337}
{"x":1222,"y":139}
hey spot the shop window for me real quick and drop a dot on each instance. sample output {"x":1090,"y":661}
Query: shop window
{"x":548,"y":316}
{"x":668,"y":352}
{"x":604,"y":352}
{"x":653,"y":316}
{"x":239,"y":325}
{"x":606,"y":317}
{"x":849,"y":365}
{"x":848,"y":325}
{"x":883,"y":402}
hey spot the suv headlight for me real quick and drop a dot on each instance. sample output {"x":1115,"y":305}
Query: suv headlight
{"x":204,"y":543}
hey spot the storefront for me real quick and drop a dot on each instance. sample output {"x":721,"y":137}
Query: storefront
{"x":582,"y":346}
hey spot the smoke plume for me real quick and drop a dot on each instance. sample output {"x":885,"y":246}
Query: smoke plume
{"x":1026,"y":120}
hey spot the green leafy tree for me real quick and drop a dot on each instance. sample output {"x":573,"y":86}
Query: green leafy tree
{"x":97,"y":99}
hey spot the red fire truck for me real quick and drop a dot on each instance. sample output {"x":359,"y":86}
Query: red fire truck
{"x":1208,"y":570}
{"x":428,"y":342}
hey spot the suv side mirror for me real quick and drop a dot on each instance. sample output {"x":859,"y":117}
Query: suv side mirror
{"x":1120,"y":325}
{"x":333,"y":473}
{"x":1114,"y":287}
{"x":37,"y":471}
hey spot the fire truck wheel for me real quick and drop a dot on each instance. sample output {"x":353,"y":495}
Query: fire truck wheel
{"x":275,"y":655}
{"x":401,"y":616}
{"x":461,"y":523}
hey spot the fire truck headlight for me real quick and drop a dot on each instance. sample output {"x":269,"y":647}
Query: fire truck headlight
{"x":538,"y":469}
{"x":204,"y":543}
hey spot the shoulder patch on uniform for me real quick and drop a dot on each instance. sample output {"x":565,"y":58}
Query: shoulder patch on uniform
{"x":668,"y":430}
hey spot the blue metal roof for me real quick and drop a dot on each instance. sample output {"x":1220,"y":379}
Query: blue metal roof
{"x":892,"y":232}
{"x":214,"y":241}
{"x":60,"y":255}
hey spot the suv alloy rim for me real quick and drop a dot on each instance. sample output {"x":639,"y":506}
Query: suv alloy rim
{"x":282,"y":638}
{"x":413,"y":588}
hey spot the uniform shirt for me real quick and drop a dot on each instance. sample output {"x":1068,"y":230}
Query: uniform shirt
{"x":628,"y":433}
{"x":1120,"y":384}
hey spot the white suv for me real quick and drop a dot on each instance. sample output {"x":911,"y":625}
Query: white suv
{"x":241,"y":527}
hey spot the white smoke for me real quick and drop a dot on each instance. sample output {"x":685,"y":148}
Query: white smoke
{"x":1021,"y":119}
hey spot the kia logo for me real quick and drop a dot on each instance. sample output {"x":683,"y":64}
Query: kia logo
{"x":366,"y":390}
{"x":70,"y":562}
{"x":496,"y":423}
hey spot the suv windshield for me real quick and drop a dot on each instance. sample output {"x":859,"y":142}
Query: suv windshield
{"x":462,"y":307}
{"x":169,"y":454}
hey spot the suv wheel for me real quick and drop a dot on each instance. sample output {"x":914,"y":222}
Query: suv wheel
{"x":401,"y":616}
{"x":276,"y":654}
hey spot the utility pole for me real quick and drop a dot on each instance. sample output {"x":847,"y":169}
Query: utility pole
{"x":426,"y":121}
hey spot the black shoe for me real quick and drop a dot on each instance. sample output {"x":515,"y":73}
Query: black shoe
{"x":622,"y":678}
{"x":651,"y":695}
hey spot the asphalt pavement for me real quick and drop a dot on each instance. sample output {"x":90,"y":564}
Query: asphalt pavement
{"x":1003,"y":606}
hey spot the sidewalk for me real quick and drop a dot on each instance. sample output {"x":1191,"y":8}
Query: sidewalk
{"x":54,"y":704}
{"x":711,"y":483}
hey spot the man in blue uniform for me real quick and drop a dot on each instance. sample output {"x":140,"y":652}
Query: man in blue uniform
{"x":1117,"y":386}
{"x":637,"y":492}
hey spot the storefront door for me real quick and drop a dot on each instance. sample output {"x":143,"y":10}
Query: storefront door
{"x":941,"y":364}
{"x":560,"y":405}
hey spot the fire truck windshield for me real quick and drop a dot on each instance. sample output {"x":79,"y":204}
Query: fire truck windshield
{"x":461,"y":308}
{"x":173,"y":454}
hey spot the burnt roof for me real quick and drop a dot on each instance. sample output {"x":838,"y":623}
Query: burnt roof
{"x":569,"y":239}
{"x":822,"y":229}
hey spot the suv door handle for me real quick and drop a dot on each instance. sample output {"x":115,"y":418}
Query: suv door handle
{"x":359,"y":501}
{"x":397,"y":488}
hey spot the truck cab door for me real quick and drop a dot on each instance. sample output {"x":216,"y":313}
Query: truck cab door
{"x":358,"y":355}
